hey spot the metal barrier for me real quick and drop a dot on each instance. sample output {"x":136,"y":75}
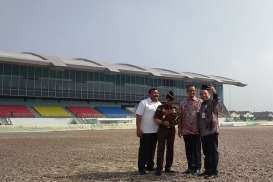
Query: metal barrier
{"x":5,"y":121}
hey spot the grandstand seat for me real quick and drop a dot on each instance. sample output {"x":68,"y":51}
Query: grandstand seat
{"x":15,"y":111}
{"x":51,"y":111}
{"x":112,"y":111}
{"x":84,"y":111}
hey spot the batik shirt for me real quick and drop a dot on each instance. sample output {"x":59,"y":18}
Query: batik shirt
{"x":208,"y":117}
{"x":189,"y":109}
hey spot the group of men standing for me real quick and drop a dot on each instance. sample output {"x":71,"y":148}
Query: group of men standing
{"x":197,"y":120}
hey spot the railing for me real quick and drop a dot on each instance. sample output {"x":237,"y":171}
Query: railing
{"x":5,"y":121}
{"x":79,"y":115}
{"x":99,"y":121}
{"x":86,"y":115}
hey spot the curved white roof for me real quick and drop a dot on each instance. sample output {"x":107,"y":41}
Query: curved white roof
{"x":129,"y":68}
{"x":82,"y":64}
{"x":21,"y":58}
{"x":228,"y":81}
{"x":55,"y":61}
{"x":87,"y":64}
{"x":198,"y":76}
{"x":167,"y":73}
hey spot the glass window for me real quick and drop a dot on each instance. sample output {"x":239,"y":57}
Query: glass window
{"x":52,"y":74}
{"x":96,"y":76}
{"x":31,"y":73}
{"x":84,"y":76}
{"x":66,"y":75}
{"x":7,"y":69}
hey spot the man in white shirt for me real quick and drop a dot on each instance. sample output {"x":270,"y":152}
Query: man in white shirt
{"x":146,"y":130}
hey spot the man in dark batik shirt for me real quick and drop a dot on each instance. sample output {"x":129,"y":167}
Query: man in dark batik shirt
{"x":209,"y":129}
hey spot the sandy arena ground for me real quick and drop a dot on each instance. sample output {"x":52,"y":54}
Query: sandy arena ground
{"x":246,"y":154}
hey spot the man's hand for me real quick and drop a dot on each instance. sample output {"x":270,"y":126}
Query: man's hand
{"x":212,"y":90}
{"x":138,"y":125}
{"x":179,"y":132}
{"x":139,"y":132}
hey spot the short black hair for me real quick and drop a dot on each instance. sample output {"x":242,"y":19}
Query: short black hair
{"x":170,"y":95}
{"x":204,"y":87}
{"x":151,"y":90}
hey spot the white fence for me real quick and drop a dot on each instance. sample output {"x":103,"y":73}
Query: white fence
{"x":97,"y":123}
{"x":67,"y":122}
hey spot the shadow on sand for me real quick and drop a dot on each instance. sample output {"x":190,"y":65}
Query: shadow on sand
{"x":114,"y":176}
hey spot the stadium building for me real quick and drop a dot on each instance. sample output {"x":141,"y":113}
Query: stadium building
{"x":35,"y":85}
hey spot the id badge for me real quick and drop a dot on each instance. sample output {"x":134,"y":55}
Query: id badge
{"x":203,"y":115}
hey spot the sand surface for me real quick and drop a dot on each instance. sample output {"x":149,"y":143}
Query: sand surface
{"x":246,"y":154}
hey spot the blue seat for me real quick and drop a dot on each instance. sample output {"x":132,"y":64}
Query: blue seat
{"x":112,"y":111}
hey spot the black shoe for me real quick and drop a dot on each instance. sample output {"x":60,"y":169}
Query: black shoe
{"x":212,"y":175}
{"x":142,"y":172}
{"x":197,"y":173}
{"x":169,"y":171}
{"x":205,"y":173}
{"x":149,"y":169}
{"x":158,"y":173}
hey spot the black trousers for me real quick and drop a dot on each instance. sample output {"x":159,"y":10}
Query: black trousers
{"x":166,"y":138}
{"x":146,"y":151}
{"x":210,"y":150}
{"x":193,"y":151}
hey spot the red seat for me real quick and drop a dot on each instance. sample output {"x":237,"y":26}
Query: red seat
{"x":15,"y":111}
{"x":84,"y":111}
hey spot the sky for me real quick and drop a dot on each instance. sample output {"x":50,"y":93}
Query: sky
{"x":232,"y":38}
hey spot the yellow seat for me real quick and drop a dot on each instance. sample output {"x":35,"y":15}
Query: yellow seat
{"x":51,"y":111}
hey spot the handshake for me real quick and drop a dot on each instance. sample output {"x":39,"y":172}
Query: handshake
{"x":170,"y":121}
{"x":166,"y":123}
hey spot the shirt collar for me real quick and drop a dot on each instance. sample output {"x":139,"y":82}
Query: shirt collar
{"x":193,"y":99}
{"x":150,"y":100}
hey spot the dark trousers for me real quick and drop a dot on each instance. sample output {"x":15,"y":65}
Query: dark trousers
{"x":193,"y":151}
{"x":146,"y":151}
{"x":210,"y":150}
{"x":166,"y":137}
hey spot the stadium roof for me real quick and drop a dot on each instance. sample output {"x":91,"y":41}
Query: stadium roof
{"x":87,"y":64}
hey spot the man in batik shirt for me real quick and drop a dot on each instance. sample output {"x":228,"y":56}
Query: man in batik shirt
{"x":188,"y":128}
{"x":209,"y":130}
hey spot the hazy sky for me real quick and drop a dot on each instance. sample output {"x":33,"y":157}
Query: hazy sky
{"x":232,"y":38}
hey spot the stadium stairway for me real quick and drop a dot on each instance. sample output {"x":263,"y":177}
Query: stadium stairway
{"x":35,"y":114}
